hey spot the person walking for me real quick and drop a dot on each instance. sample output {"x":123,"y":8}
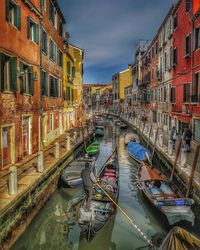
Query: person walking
{"x":187,"y":136}
{"x":173,"y":137}
{"x":89,"y":179}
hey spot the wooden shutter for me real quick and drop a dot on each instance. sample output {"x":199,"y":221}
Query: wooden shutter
{"x":21,"y":78}
{"x":68,"y":68}
{"x":31,"y":82}
{"x":28,"y":27}
{"x":37,"y":33}
{"x":13,"y":73}
{"x":7,"y":9}
{"x":18,"y":15}
{"x":2,"y":63}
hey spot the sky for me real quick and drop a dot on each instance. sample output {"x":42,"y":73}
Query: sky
{"x":109,"y":31}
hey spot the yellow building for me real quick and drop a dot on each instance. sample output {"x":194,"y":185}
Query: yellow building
{"x":78,"y":55}
{"x":68,"y":83}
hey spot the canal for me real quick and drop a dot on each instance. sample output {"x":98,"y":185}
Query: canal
{"x":55,"y":228}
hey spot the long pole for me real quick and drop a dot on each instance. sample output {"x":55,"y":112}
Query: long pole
{"x":176,"y":159}
{"x":126,"y":215}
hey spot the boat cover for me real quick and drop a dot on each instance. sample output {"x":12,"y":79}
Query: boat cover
{"x":137,"y":150}
{"x":179,"y":239}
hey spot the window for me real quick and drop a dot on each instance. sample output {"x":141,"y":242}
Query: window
{"x":60,"y":57}
{"x":157,"y":48}
{"x":60,"y":88}
{"x":175,"y":22}
{"x":44,"y":42}
{"x":68,"y":68}
{"x":73,"y":72}
{"x":173,"y":95}
{"x":175,"y":54}
{"x":51,"y":122}
{"x":60,"y":28}
{"x":197,"y":38}
{"x":26,"y":79}
{"x":13,"y":14}
{"x":53,"y":86}
{"x":152,"y":52}
{"x":53,"y":14}
{"x":165,"y":94}
{"x":32,"y":30}
{"x":186,"y":92}
{"x":52,"y":51}
{"x":44,"y":88}
{"x":188,"y":45}
{"x":154,"y":116}
{"x":196,"y":131}
{"x":171,"y":57}
{"x":43,"y":5}
{"x":8,"y":73}
{"x":165,"y":61}
{"x":195,"y":88}
{"x":188,"y":5}
{"x":68,"y":94}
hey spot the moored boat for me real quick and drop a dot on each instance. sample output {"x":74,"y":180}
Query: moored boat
{"x":138,"y":152}
{"x":164,"y":196}
{"x":101,"y":207}
{"x":99,"y":132}
{"x":131,"y":137}
{"x":180,"y":239}
{"x":93,"y":148}
{"x":71,"y":176}
{"x":123,"y":125}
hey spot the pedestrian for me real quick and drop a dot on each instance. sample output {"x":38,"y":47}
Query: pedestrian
{"x":187,"y":136}
{"x":89,"y":179}
{"x":173,"y":136}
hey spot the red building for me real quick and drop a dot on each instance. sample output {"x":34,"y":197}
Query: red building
{"x":182,"y":61}
{"x":20,"y":80}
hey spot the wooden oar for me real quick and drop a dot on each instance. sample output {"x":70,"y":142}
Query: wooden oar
{"x":125,"y":214}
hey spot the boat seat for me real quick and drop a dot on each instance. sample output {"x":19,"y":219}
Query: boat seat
{"x":109,"y":174}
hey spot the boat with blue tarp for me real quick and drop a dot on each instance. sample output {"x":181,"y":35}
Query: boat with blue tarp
{"x":138,"y":152}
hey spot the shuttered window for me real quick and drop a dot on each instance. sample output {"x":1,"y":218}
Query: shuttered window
{"x":8,"y":73}
{"x":26,"y":79}
{"x":73,"y":72}
{"x":44,"y":84}
{"x":188,"y":5}
{"x":53,"y":86}
{"x":60,"y":28}
{"x":197,"y":38}
{"x":32,"y":30}
{"x":44,"y":42}
{"x":188,"y":45}
{"x":68,"y":68}
{"x":173,"y":95}
{"x":52,"y":51}
{"x":68,"y":94}
{"x":186,"y":92}
{"x":175,"y":55}
{"x":60,"y":56}
{"x":13,"y":13}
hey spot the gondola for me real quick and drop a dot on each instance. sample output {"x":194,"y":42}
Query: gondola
{"x":163,"y":196}
{"x":138,"y":153}
{"x":101,"y":207}
{"x":93,"y":148}
{"x":99,"y":132}
{"x":131,"y":137}
{"x":71,"y":176}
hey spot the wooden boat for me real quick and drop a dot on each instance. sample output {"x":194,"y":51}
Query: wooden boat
{"x":99,"y":132}
{"x":139,"y":153}
{"x":163,"y":195}
{"x":93,"y":148}
{"x":71,"y":176}
{"x":123,"y":125}
{"x":101,"y":207}
{"x":180,"y":239}
{"x":131,"y":137}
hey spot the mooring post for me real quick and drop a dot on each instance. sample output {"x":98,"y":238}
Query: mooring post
{"x":170,"y":147}
{"x":82,"y":129}
{"x":57,"y":150}
{"x":155,"y":140}
{"x":75,"y":136}
{"x":183,"y":157}
{"x":149,"y":135}
{"x":68,"y":143}
{"x":193,"y":170}
{"x":40,"y":162}
{"x":161,"y":140}
{"x":176,"y":158}
{"x":13,"y":180}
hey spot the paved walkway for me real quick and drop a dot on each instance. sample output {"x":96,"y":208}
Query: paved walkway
{"x":28,"y":175}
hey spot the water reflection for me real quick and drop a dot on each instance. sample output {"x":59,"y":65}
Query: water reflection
{"x":57,"y":228}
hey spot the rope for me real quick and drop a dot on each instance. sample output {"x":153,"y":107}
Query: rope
{"x":126,"y":215}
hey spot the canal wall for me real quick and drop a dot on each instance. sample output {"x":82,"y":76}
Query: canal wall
{"x":23,"y":207}
{"x":164,"y":160}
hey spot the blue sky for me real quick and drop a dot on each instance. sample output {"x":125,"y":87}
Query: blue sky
{"x":108,"y":31}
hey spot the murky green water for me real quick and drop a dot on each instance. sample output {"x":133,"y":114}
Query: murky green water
{"x":54,"y":228}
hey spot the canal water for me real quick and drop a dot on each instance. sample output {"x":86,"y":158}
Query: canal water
{"x":56,"y":229}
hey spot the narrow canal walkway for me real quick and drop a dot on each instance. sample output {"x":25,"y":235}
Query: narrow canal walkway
{"x":54,"y":228}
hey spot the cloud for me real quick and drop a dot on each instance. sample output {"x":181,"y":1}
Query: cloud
{"x":108,"y":31}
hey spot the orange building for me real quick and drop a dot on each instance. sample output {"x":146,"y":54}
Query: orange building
{"x":19,"y":81}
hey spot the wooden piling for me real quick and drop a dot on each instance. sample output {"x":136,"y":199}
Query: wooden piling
{"x":82,"y":129}
{"x":176,"y":158}
{"x":154,"y":146}
{"x":149,"y":135}
{"x":193,"y":170}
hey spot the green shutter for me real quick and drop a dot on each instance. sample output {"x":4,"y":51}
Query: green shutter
{"x":21,"y":78}
{"x":30,"y":79}
{"x":45,"y":42}
{"x":68,"y":68}
{"x":28,"y":27}
{"x":36,"y":33}
{"x":73,"y":72}
{"x":2,"y":63}
{"x":13,"y":73}
{"x":18,"y":17}
{"x":7,"y":9}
